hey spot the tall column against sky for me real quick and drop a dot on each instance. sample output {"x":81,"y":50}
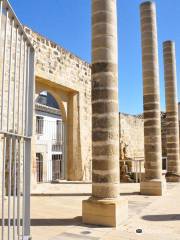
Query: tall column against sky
{"x":105,"y":207}
{"x":172,"y":123}
{"x":153,"y":184}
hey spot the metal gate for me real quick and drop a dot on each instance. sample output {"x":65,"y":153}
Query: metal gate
{"x":16,"y":109}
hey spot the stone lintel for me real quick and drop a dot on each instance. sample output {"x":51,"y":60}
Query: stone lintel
{"x":110,"y":213}
{"x":156,"y":187}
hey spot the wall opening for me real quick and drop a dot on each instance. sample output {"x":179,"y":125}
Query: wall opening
{"x":50,"y":139}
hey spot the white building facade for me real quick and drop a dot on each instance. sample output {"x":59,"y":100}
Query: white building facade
{"x":50,"y":136}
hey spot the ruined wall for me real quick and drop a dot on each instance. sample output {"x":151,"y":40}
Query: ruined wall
{"x":131,"y":135}
{"x":58,"y":68}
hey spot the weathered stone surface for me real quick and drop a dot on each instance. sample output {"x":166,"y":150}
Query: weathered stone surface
{"x":107,"y":213}
{"x":68,"y":79}
{"x":105,"y":132}
{"x":172,"y":125}
{"x":152,"y":117}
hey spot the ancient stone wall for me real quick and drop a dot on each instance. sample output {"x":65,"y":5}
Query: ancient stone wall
{"x":131,"y":136}
{"x":57,"y":67}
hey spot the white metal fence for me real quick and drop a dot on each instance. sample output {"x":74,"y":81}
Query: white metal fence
{"x":16,"y":109}
{"x":136,"y":167}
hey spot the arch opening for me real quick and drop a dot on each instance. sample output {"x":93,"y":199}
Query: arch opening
{"x":50,"y":139}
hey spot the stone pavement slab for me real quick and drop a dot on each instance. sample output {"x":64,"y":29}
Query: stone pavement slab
{"x":158,"y":217}
{"x":71,"y":236}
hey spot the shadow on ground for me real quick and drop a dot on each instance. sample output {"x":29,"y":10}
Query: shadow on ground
{"x":49,"y":222}
{"x":168,"y":217}
{"x":57,"y":222}
{"x":129,"y":194}
{"x":60,"y":194}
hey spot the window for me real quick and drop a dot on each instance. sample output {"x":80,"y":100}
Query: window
{"x":39,"y":125}
{"x":39,"y":167}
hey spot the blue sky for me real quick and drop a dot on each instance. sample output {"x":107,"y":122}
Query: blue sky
{"x":68,"y":22}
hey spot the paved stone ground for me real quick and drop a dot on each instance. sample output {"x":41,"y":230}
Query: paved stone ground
{"x":59,"y":217}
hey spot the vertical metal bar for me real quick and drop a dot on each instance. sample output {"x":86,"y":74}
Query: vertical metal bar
{"x":4,"y":68}
{"x":140,"y":170}
{"x":62,"y":144}
{"x":9,"y":186}
{"x":1,"y":9}
{"x":19,"y":84}
{"x":27,"y":180}
{"x":18,"y":188}
{"x":64,"y":149}
{"x":14,"y":192}
{"x":15,"y":73}
{"x":23,"y":186}
{"x":27,"y":92}
{"x":10,"y":70}
{"x":136,"y":171}
{"x":23,"y":87}
{"x":3,"y":185}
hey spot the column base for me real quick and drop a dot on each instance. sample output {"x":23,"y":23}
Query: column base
{"x":153,"y":187}
{"x":111,"y":213}
{"x":172,"y":177}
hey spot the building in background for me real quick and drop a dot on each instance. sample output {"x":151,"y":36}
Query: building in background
{"x":50,"y":154}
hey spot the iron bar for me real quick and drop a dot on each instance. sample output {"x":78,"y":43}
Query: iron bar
{"x":15,"y":73}
{"x":14,"y":192}
{"x":24,"y":87}
{"x":4,"y":69}
{"x":27,"y":92}
{"x":9,"y":185}
{"x":3,"y":185}
{"x":19,"y":84}
{"x":18,"y":189}
{"x":10,"y":70}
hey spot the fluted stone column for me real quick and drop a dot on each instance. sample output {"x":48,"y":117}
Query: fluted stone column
{"x":105,"y":206}
{"x":172,"y":122}
{"x":153,"y":184}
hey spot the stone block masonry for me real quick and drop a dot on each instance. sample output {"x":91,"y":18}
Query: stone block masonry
{"x":68,"y":79}
{"x":172,"y":123}
{"x":105,"y":207}
{"x":152,"y":184}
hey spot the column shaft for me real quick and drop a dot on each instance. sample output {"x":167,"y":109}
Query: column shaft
{"x":172,"y":122}
{"x":152,"y":114}
{"x":105,"y":124}
{"x":152,"y":118}
{"x":105,"y":207}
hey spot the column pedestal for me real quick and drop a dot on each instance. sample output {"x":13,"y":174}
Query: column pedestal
{"x":153,"y":187}
{"x":172,"y":177}
{"x":111,"y":213}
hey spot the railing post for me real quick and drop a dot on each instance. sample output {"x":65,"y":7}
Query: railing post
{"x":26,"y":190}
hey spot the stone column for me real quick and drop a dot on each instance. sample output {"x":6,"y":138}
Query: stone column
{"x":153,"y":183}
{"x":172,"y":122}
{"x":105,"y":207}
